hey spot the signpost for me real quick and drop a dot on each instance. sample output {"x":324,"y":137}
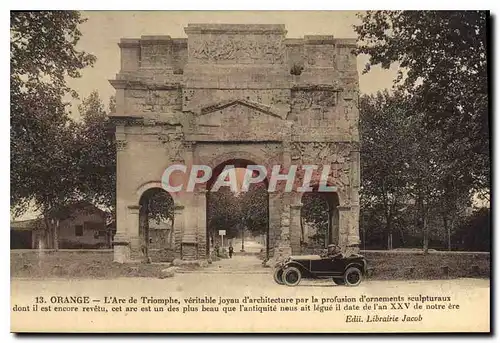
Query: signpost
{"x":222,"y":233}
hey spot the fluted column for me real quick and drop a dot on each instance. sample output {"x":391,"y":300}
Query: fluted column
{"x":344,"y":225}
{"x":121,"y":240}
{"x":295,"y":229}
{"x":353,"y":235}
{"x":133,"y":232}
{"x":189,"y":235}
{"x":201,"y":213}
{"x":178,"y":229}
{"x":274,"y":220}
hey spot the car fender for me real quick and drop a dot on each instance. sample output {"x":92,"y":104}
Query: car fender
{"x":297,"y":265}
{"x":357,"y":264}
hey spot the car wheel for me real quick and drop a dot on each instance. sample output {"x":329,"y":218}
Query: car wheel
{"x":353,"y":276}
{"x":292,"y":276}
{"x":338,"y":281}
{"x":278,"y":276}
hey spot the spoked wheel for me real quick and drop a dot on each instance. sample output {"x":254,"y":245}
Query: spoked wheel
{"x":338,"y":281}
{"x":278,"y":276}
{"x":353,"y":276}
{"x":292,"y":276}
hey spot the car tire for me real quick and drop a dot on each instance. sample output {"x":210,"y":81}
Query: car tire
{"x":353,"y":276}
{"x":292,"y":276}
{"x":278,"y":276}
{"x":338,"y":281}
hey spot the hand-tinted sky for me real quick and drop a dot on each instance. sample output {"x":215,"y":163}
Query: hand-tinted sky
{"x":103,"y":30}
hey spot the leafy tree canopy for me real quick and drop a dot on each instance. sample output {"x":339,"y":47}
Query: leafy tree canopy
{"x":443,"y":60}
{"x":42,"y":55}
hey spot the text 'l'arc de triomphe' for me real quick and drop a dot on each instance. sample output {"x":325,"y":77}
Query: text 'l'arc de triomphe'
{"x":235,"y":93}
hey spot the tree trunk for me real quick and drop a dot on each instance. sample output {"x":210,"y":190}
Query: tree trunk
{"x":426,"y":236}
{"x":47,"y":237}
{"x":389,"y":230}
{"x":56,"y":235}
{"x":448,"y":230}
{"x":402,"y":236}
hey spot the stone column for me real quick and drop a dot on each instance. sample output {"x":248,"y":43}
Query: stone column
{"x":282,"y":248}
{"x":201,"y":213}
{"x":353,"y":237}
{"x":189,"y":235}
{"x":121,"y":241}
{"x":344,"y":225}
{"x":274,"y":220}
{"x":295,"y":230}
{"x":334,"y":220}
{"x":133,"y":232}
{"x":178,"y":229}
{"x":282,"y":215}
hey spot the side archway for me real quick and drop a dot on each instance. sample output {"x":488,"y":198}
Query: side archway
{"x":156,"y":225}
{"x":319,"y":220}
{"x":154,"y":185}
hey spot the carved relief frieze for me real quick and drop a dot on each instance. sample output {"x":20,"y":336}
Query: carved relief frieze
{"x":153,"y":101}
{"x":241,"y":48}
{"x":174,"y":143}
{"x":323,"y":100}
{"x":278,"y":99}
{"x":337,"y":155}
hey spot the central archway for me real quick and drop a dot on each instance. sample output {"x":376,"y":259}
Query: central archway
{"x":243,"y":215}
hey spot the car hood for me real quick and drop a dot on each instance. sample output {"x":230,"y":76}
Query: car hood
{"x":305,"y":257}
{"x":354,"y":256}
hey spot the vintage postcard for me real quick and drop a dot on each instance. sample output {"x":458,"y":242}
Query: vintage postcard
{"x":221,"y":171}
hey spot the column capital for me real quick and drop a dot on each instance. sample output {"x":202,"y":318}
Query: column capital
{"x":189,"y":144}
{"x":121,"y":145}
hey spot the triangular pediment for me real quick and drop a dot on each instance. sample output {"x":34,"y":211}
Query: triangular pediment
{"x":265,"y":109}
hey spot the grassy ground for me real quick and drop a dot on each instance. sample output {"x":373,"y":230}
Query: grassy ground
{"x":384,"y":266}
{"x":77,"y":265}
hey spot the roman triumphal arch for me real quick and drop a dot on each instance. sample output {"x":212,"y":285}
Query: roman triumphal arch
{"x":234,"y":92}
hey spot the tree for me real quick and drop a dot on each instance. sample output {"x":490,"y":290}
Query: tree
{"x":315,"y":212}
{"x":475,"y":233}
{"x":386,"y":138}
{"x":94,"y":153}
{"x":223,"y":212}
{"x":43,"y":55}
{"x":254,"y":208}
{"x":407,"y":172}
{"x":442,"y":56}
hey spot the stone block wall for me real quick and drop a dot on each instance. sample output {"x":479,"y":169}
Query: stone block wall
{"x":227,"y":92}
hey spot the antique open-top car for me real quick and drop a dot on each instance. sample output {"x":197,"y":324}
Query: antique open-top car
{"x":344,"y":270}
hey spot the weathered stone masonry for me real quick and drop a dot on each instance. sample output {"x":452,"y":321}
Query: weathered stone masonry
{"x":227,"y":92}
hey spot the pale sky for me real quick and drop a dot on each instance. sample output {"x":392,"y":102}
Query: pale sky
{"x":103,"y":30}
